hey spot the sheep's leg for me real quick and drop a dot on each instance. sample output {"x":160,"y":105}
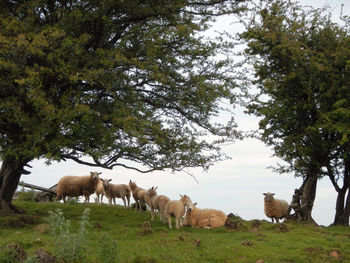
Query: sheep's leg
{"x":180,"y":220}
{"x":115,"y":204}
{"x":109,"y":201}
{"x":177,"y":222}
{"x":64,"y":199}
{"x":124,"y":201}
{"x":128,"y":197}
{"x":277,"y":220}
{"x":169,"y":222}
{"x":152,"y":213}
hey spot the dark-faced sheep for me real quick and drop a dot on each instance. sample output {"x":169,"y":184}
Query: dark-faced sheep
{"x":138,"y":194}
{"x":207,"y":218}
{"x":74,"y":186}
{"x":116,"y":191}
{"x":177,"y":209}
{"x":275,"y":208}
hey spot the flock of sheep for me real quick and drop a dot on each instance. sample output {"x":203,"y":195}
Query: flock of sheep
{"x":73,"y":186}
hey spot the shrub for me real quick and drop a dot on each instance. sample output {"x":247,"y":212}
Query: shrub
{"x":108,"y":249}
{"x":69,"y":246}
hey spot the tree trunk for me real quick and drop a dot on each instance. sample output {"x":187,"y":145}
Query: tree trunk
{"x":10,"y":174}
{"x":342,"y":210}
{"x":308,"y":197}
{"x":303,"y":199}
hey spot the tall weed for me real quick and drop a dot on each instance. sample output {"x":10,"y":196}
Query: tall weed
{"x":69,"y":246}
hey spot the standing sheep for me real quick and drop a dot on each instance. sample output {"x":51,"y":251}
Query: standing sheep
{"x":275,"y":208}
{"x":116,"y":190}
{"x":138,"y":194}
{"x":100,"y":191}
{"x":207,"y":218}
{"x":177,"y":209}
{"x":77,"y":185}
{"x":156,"y":202}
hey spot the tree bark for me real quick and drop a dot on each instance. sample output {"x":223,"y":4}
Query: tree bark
{"x":342,"y":209}
{"x":10,"y":174}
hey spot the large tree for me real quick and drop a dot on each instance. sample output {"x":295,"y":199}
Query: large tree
{"x":111,"y":83}
{"x":301,"y":64}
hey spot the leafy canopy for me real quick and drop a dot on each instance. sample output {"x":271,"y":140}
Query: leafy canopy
{"x":302,"y":70}
{"x":107,"y":82}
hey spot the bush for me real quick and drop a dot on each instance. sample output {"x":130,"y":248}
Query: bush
{"x":25,"y":195}
{"x":69,"y":247}
{"x":108,"y":249}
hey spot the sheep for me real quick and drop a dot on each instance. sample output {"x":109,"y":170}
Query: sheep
{"x":76,"y":186}
{"x":116,"y":190}
{"x":177,"y":208}
{"x":138,"y":194}
{"x":275,"y":208}
{"x":156,"y":202}
{"x":206,"y":218}
{"x":100,"y":191}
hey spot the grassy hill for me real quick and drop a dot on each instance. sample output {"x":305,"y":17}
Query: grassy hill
{"x":124,"y":233}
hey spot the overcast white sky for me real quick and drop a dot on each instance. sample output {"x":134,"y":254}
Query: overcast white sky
{"x":234,"y":186}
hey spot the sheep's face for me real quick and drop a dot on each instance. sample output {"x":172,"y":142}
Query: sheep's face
{"x":269,"y":197}
{"x":152,"y":191}
{"x":95,"y":176}
{"x":106,"y":182}
{"x":186,"y":200}
{"x":190,"y":207}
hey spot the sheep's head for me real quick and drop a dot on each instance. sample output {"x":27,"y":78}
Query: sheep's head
{"x":186,"y":200}
{"x":152,"y":191}
{"x":191,"y":207}
{"x":268,"y":197}
{"x":132,"y":185}
{"x":106,"y":182}
{"x":95,"y":176}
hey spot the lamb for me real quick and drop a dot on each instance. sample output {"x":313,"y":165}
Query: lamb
{"x":116,"y":190}
{"x":100,"y":191}
{"x":138,"y":194}
{"x":207,"y":218}
{"x":177,"y":208}
{"x":156,"y":202}
{"x":275,"y":208}
{"x":77,"y":185}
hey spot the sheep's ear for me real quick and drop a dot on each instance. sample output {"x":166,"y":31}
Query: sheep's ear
{"x":264,"y":194}
{"x":273,"y":193}
{"x":156,"y":188}
{"x":195,"y":203}
{"x":99,"y":173}
{"x":130,"y":181}
{"x":109,"y":180}
{"x":181,"y":196}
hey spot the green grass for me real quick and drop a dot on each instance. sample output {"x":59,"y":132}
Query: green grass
{"x":136,"y":243}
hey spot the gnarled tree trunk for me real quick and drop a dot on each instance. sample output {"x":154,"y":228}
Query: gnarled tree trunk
{"x":10,"y":174}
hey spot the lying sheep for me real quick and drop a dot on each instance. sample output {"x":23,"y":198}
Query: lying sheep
{"x":100,"y":191}
{"x":116,"y":191}
{"x":206,"y":218}
{"x":76,"y":186}
{"x":177,"y":209}
{"x":138,"y":194}
{"x":275,"y":208}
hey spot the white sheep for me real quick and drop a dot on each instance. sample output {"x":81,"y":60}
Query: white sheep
{"x":156,"y":202}
{"x":196,"y":217}
{"x":275,"y":208}
{"x":116,"y":191}
{"x":100,"y":191}
{"x":177,"y":209}
{"x":138,"y":194}
{"x":77,"y":185}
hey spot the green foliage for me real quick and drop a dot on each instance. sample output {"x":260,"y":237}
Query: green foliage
{"x":8,"y":255}
{"x":69,"y":246}
{"x":108,"y":249}
{"x":113,"y":81}
{"x":25,"y":195}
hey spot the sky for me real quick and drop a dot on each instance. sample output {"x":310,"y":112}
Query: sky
{"x":233,"y":186}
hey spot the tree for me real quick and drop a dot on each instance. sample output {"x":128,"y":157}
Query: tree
{"x":301,"y":66}
{"x":106,"y":83}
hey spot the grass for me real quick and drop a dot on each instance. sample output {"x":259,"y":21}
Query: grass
{"x":249,"y":241}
